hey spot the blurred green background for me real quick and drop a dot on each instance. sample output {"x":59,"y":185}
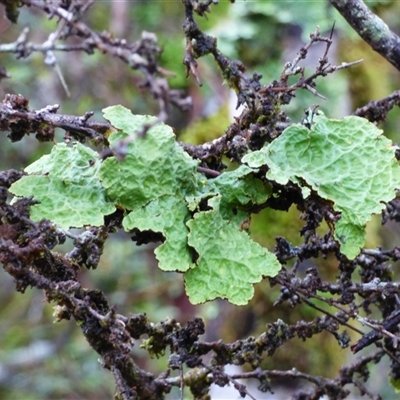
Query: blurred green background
{"x":40,"y":359}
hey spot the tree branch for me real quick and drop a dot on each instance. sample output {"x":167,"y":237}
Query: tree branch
{"x":371,"y":28}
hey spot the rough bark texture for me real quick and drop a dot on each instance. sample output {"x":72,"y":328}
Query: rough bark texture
{"x":371,"y":28}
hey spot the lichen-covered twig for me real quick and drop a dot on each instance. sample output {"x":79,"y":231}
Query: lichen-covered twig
{"x":371,"y":28}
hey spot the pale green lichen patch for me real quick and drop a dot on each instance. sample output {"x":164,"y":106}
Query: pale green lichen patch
{"x":347,"y":161}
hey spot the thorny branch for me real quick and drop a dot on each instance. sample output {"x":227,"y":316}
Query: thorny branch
{"x":262,"y":102}
{"x":323,"y":69}
{"x":32,"y":263}
{"x":16,"y":118}
{"x":142,"y":55}
{"x":376,"y":111}
{"x":371,"y":28}
{"x":27,"y":248}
